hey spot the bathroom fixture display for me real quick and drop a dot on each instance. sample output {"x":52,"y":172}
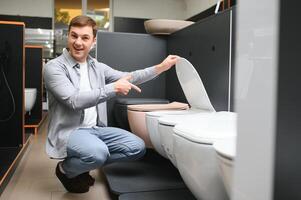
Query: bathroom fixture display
{"x":30,"y":98}
{"x":226,"y":151}
{"x":196,"y":96}
{"x":165,"y":26}
{"x":195,"y":155}
{"x":137,"y":121}
{"x":34,"y":79}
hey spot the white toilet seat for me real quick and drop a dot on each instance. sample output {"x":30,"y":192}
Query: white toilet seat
{"x":207,"y":130}
{"x":226,"y":148}
{"x":195,"y":156}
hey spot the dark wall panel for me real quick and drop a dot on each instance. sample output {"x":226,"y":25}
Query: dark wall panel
{"x":206,"y":45}
{"x":129,"y":25}
{"x":11,"y":69}
{"x":30,"y":22}
{"x":287,"y":173}
{"x":129,"y":52}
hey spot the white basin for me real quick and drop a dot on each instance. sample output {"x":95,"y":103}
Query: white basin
{"x":30,"y":98}
{"x":164,"y":26}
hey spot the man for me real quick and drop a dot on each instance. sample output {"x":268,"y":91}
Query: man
{"x":78,"y":87}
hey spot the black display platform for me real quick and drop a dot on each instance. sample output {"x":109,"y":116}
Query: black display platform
{"x":152,"y":173}
{"x":180,"y":194}
{"x":7,"y":156}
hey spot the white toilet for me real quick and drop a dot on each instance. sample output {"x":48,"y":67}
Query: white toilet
{"x":195,"y":155}
{"x":30,"y":98}
{"x":165,"y":128}
{"x":137,"y":121}
{"x":152,"y":124}
{"x":195,"y":94}
{"x":226,"y":152}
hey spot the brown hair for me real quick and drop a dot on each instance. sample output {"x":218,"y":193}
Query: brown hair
{"x":81,"y":21}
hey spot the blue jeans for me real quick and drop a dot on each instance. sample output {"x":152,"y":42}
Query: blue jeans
{"x":91,"y":148}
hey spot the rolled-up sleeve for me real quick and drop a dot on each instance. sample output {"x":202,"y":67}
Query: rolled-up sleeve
{"x":58,"y":82}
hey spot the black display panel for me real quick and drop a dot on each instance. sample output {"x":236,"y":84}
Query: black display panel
{"x":287,"y":173}
{"x":129,"y":52}
{"x":11,"y":84}
{"x":129,"y":25}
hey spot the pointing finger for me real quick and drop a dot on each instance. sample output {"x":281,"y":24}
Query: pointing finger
{"x":135,"y":87}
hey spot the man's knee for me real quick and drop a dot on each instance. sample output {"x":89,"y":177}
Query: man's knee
{"x":138,"y":149}
{"x":97,"y":156}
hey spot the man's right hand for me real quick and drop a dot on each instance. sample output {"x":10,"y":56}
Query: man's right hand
{"x":123,"y":86}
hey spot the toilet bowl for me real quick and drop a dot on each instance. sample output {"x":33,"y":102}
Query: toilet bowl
{"x":120,"y":111}
{"x":137,"y":121}
{"x":226,"y":150}
{"x":196,"y":96}
{"x":195,"y":156}
{"x":165,"y":127}
{"x":152,"y":125}
{"x":30,"y":98}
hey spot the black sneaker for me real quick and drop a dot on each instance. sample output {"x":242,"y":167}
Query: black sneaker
{"x":74,"y":185}
{"x":88,"y":178}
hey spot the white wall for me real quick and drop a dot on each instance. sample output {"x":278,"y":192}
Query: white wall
{"x":150,"y":9}
{"x":194,"y":7}
{"x":255,"y":98}
{"x":32,"y":8}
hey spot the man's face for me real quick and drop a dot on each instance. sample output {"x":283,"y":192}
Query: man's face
{"x":80,"y":41}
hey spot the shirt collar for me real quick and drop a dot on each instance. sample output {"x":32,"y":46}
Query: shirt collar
{"x":73,"y":62}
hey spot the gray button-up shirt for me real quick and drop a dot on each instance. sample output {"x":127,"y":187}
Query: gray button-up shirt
{"x":67,"y":104}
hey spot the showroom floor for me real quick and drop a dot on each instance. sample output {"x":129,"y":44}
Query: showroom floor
{"x":34,"y":178}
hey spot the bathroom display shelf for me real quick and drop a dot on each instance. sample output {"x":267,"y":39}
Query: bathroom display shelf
{"x":34,"y":79}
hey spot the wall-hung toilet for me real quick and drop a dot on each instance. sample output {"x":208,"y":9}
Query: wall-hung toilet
{"x":137,"y":121}
{"x":226,"y":151}
{"x":152,"y":125}
{"x":165,"y":130}
{"x":120,"y":111}
{"x":195,"y":155}
{"x":30,"y":98}
{"x":196,"y":96}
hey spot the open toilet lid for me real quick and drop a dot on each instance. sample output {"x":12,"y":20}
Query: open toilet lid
{"x":192,"y":85}
{"x":226,"y":148}
{"x":207,"y":130}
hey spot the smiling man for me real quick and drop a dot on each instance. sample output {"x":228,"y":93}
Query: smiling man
{"x":78,"y":88}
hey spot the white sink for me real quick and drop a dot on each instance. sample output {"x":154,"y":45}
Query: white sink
{"x":30,"y":98}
